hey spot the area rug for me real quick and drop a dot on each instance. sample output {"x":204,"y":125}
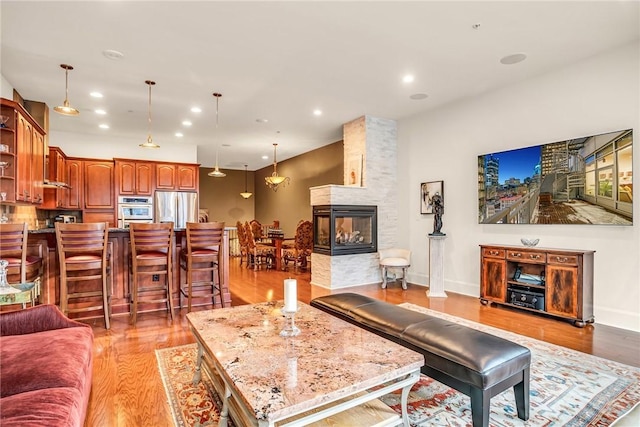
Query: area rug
{"x":567,"y":388}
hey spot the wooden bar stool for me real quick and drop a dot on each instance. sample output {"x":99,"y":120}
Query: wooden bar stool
{"x":82,"y":250}
{"x":22,"y":267}
{"x":202,"y":255}
{"x":151,"y":255}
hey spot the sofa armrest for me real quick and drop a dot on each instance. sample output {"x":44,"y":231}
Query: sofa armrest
{"x":35,"y":319}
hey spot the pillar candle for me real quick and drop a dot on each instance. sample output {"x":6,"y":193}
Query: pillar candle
{"x":290,"y":295}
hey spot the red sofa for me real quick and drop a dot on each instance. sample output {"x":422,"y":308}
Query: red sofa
{"x":46,"y":367}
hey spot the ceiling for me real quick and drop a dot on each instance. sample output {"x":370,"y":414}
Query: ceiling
{"x":280,"y":61}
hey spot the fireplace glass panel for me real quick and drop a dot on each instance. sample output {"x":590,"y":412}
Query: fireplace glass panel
{"x":344,"y":230}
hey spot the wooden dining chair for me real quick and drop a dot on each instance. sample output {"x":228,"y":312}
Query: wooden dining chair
{"x":201,"y":260}
{"x":83,"y":254}
{"x":302,"y":246}
{"x":151,"y":255}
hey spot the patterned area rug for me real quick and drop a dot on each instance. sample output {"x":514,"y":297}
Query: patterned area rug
{"x":568,"y":388}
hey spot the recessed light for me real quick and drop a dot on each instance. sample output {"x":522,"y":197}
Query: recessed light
{"x":179,"y":134}
{"x":103,"y":126}
{"x":418,"y":96}
{"x":196,"y":110}
{"x":113,"y":54}
{"x":101,"y":112}
{"x":513,"y":59}
{"x":265,"y":157}
{"x":225,"y":145}
{"x":317,"y":112}
{"x":95,"y":95}
{"x":262,"y":120}
{"x":408,"y":78}
{"x":186,"y":123}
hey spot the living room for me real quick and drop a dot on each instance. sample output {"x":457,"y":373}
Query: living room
{"x":592,"y":95}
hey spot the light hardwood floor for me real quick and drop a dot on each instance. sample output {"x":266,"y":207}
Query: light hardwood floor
{"x":128,"y":391}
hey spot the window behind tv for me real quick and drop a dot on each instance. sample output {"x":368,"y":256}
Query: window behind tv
{"x":586,"y":180}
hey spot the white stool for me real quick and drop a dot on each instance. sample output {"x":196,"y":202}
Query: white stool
{"x":395,"y":258}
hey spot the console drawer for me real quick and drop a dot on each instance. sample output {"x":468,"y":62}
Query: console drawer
{"x":562,"y":259}
{"x":493,"y":253}
{"x":530,"y":257}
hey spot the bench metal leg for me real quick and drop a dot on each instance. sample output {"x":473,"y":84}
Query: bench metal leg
{"x":480,"y":407}
{"x":384,"y":277}
{"x":521,"y":390}
{"x":404,"y":277}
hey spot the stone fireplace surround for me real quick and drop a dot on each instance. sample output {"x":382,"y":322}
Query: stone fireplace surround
{"x":375,"y":140}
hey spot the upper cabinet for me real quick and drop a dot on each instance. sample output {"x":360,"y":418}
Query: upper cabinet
{"x":21,"y":156}
{"x":99,"y":188}
{"x":75,"y":192}
{"x":56,"y":163}
{"x":134,"y":177}
{"x":177,"y":176}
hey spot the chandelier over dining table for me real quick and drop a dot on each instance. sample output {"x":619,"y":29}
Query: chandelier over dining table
{"x":274,"y":181}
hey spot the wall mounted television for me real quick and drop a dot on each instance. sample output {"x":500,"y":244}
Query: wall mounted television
{"x":585,"y":180}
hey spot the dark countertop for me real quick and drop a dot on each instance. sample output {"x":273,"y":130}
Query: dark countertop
{"x":53,"y":230}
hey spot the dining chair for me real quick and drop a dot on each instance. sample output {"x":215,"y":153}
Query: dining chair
{"x":83,"y":255}
{"x":151,"y":255}
{"x":302,"y":246}
{"x":202,"y":257}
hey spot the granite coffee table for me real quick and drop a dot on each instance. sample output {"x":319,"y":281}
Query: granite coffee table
{"x":331,"y":372}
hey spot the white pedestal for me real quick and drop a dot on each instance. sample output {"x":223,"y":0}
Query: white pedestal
{"x":436,"y":266}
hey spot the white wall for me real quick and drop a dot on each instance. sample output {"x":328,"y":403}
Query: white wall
{"x":597,"y":95}
{"x":105,"y":147}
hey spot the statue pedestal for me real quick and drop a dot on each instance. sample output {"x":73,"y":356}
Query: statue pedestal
{"x":436,"y":266}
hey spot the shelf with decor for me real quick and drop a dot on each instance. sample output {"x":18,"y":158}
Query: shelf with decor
{"x":553,"y":282}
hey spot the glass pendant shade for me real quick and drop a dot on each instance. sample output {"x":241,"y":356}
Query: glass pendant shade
{"x":245,"y":194}
{"x":275,"y":181}
{"x":66,"y":109}
{"x":149,"y":143}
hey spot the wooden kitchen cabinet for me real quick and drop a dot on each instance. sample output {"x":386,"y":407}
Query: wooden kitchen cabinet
{"x":99,"y":184}
{"x":177,"y":177}
{"x":555,"y":282}
{"x":188,"y":177}
{"x":23,"y":174}
{"x":134,"y":177}
{"x":76,"y":184}
{"x":55,"y":198}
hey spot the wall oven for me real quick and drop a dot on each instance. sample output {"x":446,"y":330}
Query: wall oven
{"x":134,"y":209}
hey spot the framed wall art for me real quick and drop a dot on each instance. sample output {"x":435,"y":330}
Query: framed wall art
{"x":427,"y":191}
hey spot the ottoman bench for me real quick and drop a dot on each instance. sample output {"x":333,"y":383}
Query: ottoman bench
{"x":475,"y":363}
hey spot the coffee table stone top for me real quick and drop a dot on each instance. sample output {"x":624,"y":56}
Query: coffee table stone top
{"x":279,"y":376}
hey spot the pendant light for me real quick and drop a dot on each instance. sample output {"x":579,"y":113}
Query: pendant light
{"x":246,"y":194}
{"x":217,"y":173}
{"x":274,"y":181}
{"x":65,"y":108}
{"x":149,"y":143}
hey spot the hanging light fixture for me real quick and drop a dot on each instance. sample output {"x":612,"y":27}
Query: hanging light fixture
{"x":246,"y":194}
{"x":65,"y":108}
{"x":274,"y":181}
{"x":217,"y":173}
{"x":149,"y":143}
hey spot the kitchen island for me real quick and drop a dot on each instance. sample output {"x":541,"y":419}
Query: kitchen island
{"x":42,"y":243}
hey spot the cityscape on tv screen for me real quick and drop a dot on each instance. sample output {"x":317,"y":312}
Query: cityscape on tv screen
{"x":586,"y":180}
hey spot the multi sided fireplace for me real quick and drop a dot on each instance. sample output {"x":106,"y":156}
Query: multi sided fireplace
{"x":345,"y":229}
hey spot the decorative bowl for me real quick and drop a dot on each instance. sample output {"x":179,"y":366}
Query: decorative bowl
{"x":3,"y":120}
{"x":529,"y":242}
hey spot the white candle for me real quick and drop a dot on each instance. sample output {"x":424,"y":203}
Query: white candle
{"x":290,"y":295}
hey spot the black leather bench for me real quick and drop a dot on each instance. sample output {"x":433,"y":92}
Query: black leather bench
{"x":475,"y":363}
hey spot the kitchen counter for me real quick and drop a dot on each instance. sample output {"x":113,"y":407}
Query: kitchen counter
{"x":42,"y":242}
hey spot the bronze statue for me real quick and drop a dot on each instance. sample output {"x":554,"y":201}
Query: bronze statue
{"x":438,"y":209}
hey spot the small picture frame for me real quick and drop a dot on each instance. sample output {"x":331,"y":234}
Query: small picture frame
{"x":427,"y":191}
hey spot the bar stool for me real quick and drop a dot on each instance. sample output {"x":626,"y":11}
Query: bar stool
{"x":22,"y":267}
{"x":202,"y":255}
{"x":151,"y":254}
{"x":82,"y":250}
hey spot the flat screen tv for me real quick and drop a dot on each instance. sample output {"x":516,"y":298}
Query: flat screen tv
{"x":586,"y":180}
